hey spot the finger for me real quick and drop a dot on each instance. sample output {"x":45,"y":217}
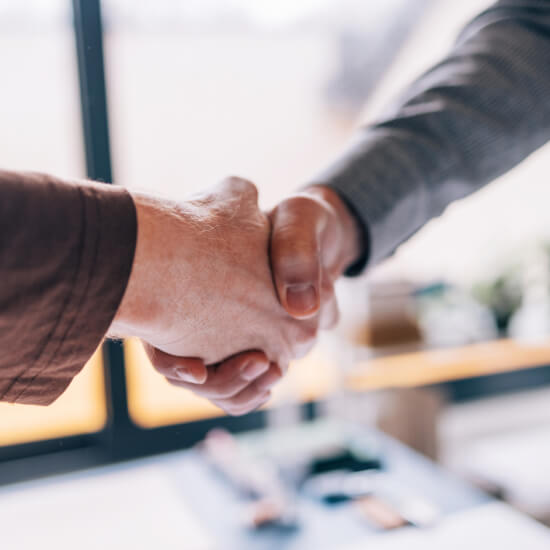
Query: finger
{"x":229,"y":377}
{"x":248,"y":403}
{"x":270,"y":378}
{"x":295,"y":256}
{"x":254,"y":395}
{"x":186,"y":369}
{"x":329,"y":314}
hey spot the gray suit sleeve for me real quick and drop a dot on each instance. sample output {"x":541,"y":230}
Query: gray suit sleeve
{"x":468,"y":120}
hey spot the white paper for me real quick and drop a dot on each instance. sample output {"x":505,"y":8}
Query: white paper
{"x":135,"y":507}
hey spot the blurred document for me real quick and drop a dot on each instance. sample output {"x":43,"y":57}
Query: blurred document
{"x":134,"y":507}
{"x":491,"y":526}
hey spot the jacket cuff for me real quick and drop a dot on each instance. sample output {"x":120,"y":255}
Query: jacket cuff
{"x":95,"y":283}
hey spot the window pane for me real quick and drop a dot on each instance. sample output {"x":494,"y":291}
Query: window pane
{"x":270,"y":90}
{"x":40,"y":108}
{"x":81,"y":409}
{"x":40,"y":130}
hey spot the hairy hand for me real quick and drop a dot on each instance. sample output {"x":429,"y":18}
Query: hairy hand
{"x":201,"y":287}
{"x":314,"y":238}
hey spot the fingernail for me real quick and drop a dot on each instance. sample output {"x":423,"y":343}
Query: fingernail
{"x":252,"y":370}
{"x":302,"y":298}
{"x":194,"y":374}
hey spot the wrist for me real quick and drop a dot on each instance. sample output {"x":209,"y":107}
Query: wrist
{"x":140,"y":310}
{"x":352,"y":234}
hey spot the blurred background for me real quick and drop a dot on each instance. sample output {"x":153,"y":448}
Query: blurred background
{"x":272,"y":91}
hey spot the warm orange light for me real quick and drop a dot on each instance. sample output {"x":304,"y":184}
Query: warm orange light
{"x":153,"y":402}
{"x":81,"y":409}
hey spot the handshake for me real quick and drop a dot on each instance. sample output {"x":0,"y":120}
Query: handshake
{"x":224,"y":295}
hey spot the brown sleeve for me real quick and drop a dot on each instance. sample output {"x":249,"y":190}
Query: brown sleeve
{"x":66,"y":252}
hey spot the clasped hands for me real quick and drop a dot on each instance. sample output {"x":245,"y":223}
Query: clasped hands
{"x":223,"y":295}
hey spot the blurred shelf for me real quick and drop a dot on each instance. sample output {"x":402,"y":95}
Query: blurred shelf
{"x":427,"y":367}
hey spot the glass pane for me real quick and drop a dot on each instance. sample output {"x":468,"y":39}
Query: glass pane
{"x":269,"y":90}
{"x":40,"y":130}
{"x":40,"y":107}
{"x":81,"y":409}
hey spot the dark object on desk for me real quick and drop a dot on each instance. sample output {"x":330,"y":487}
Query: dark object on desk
{"x":221,"y":508}
{"x":344,"y":458}
{"x":341,"y":486}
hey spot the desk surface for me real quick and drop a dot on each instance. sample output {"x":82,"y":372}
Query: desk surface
{"x":322,"y":527}
{"x":178,"y":501}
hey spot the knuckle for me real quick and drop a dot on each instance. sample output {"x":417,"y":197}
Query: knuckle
{"x":295,"y":252}
{"x":241,"y":185}
{"x":294,"y":249}
{"x":299,"y":203}
{"x":299,"y":210}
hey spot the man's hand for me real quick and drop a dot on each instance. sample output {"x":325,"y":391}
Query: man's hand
{"x":314,"y":239}
{"x":237,"y":385}
{"x":201,"y":287}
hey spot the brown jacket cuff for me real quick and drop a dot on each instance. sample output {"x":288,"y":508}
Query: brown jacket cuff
{"x":66,"y":266}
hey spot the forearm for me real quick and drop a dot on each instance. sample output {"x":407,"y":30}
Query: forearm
{"x":66,"y":252}
{"x":139,"y":309}
{"x":471,"y":118}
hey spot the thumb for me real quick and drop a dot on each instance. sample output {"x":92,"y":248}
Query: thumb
{"x":295,"y":255}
